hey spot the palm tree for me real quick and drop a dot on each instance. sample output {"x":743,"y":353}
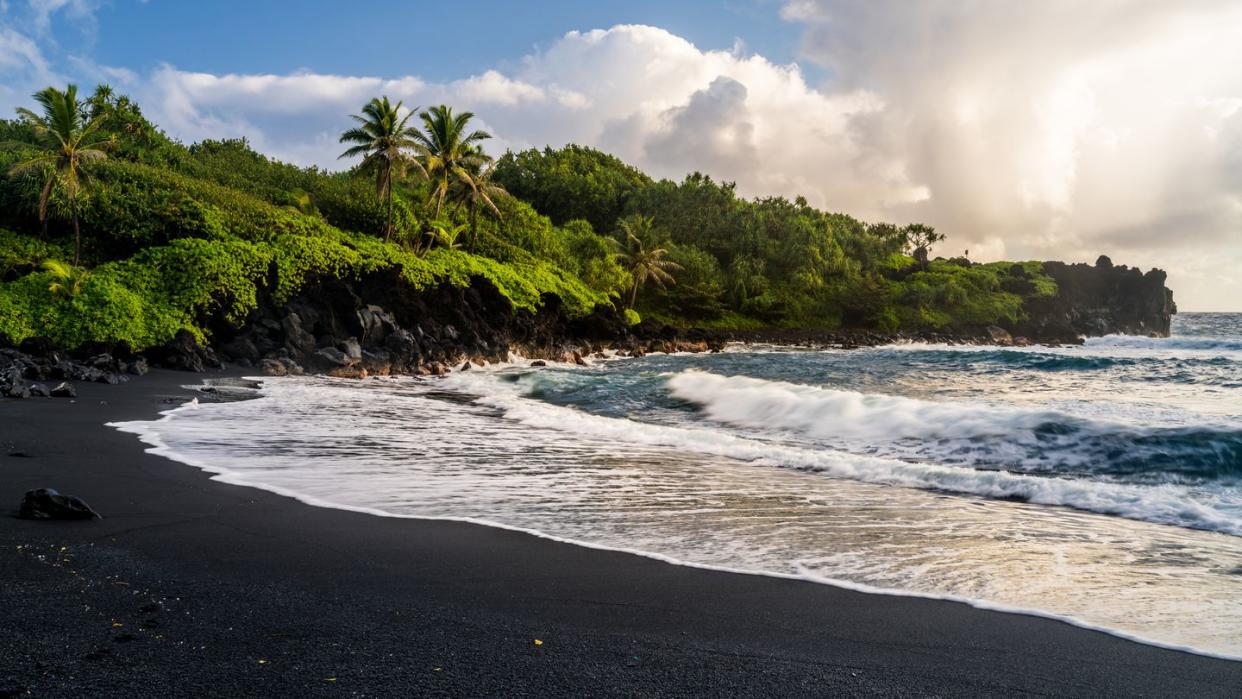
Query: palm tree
{"x":478,"y":189}
{"x":451,"y":157}
{"x":644,"y":265}
{"x":67,"y":279}
{"x":101,"y":99}
{"x":444,"y":234}
{"x":68,"y":148}
{"x":382,"y":140}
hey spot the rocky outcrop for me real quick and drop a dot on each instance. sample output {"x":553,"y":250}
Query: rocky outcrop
{"x":1100,"y":299}
{"x":183,"y":352}
{"x":379,"y":326}
{"x":25,"y":370}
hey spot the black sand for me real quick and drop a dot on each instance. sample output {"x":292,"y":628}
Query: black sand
{"x":189,"y":587}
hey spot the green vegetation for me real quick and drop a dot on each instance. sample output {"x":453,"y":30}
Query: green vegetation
{"x":66,"y":146}
{"x":769,"y":262}
{"x":171,"y":237}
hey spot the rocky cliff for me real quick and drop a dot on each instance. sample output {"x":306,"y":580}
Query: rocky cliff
{"x":378,"y":326}
{"x":1100,"y":299}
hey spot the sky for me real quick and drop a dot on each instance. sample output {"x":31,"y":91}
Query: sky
{"x":1022,"y":130}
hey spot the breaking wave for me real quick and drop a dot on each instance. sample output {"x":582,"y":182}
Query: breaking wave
{"x":1166,"y":503}
{"x":975,"y":434}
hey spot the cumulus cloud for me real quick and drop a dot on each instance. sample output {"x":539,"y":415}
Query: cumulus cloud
{"x":1057,"y":128}
{"x":1051,"y":130}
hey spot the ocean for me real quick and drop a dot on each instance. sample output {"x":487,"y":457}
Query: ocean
{"x":1101,"y":483}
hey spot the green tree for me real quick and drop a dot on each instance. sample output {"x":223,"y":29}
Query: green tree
{"x":68,"y":146}
{"x":383,"y":140}
{"x":477,"y":190}
{"x":919,"y":239}
{"x":645,"y":265}
{"x":452,"y":157}
{"x":574,"y":182}
{"x":301,"y":202}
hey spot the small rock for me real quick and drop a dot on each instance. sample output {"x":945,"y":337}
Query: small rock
{"x":352,"y":349}
{"x":138,"y":366}
{"x":40,"y":390}
{"x":273,"y":367}
{"x":64,"y":390}
{"x":538,"y":362}
{"x":334,"y":357}
{"x":46,"y":503}
{"x":466,"y":366}
{"x":17,"y":390}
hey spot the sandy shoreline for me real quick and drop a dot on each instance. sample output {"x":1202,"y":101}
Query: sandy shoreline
{"x":190,"y":587}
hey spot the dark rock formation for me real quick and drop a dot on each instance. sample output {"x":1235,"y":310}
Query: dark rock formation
{"x":64,"y":390}
{"x":46,"y":503}
{"x":183,"y":352}
{"x":378,"y":326}
{"x":1099,"y":300}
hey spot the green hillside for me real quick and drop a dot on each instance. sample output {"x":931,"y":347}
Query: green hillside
{"x":175,"y":236}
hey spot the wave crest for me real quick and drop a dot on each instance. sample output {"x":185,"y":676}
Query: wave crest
{"x":973,"y":434}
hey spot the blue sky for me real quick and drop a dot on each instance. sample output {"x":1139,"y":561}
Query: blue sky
{"x":431,"y":39}
{"x":1011,"y":126}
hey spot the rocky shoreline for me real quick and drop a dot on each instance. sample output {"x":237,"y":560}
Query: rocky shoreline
{"x":377,"y":326}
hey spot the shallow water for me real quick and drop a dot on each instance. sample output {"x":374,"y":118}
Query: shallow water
{"x":1101,"y":483}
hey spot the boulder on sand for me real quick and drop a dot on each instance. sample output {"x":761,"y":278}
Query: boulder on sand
{"x":46,"y":503}
{"x":64,"y":390}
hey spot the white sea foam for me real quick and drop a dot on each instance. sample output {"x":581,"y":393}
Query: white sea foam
{"x":825,"y":412}
{"x":397,"y":448}
{"x":1163,"y":504}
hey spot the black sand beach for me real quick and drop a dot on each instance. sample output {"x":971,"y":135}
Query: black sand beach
{"x":190,"y":587}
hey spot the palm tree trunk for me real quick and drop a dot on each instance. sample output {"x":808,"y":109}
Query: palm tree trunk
{"x":634,"y":294}
{"x":388,"y":230}
{"x":77,"y":233}
{"x":474,"y":226}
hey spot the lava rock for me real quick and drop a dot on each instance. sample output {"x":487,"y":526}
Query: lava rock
{"x":352,"y":350}
{"x":538,"y":362}
{"x":183,"y":352}
{"x":46,"y":503}
{"x":17,"y":390}
{"x":64,"y":390}
{"x":334,"y":357}
{"x":999,"y":336}
{"x":40,"y":390}
{"x":273,"y":367}
{"x":38,"y":347}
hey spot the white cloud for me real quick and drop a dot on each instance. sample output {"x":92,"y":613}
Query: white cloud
{"x":79,"y":11}
{"x":1065,"y":129}
{"x":493,"y":88}
{"x":24,"y":68}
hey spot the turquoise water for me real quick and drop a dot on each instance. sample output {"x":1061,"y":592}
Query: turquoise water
{"x":1100,"y":483}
